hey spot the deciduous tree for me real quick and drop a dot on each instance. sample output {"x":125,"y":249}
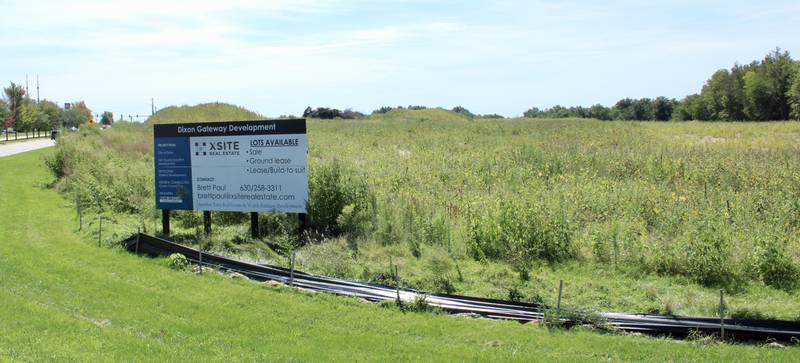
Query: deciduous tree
{"x":4,"y":113}
{"x":53,"y":113}
{"x":662,"y":108}
{"x":793,"y":94}
{"x":107,"y":118}
{"x":15,"y":95}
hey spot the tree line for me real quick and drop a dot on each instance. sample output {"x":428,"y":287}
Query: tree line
{"x":331,"y":113}
{"x":21,"y":113}
{"x":763,"y":90}
{"x":458,"y":109}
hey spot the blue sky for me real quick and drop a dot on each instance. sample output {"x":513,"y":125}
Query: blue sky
{"x":277,"y":57}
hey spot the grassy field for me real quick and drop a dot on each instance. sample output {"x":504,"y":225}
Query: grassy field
{"x":636,"y":217}
{"x":64,"y":299}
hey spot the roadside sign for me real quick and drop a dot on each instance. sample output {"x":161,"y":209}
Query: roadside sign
{"x":240,"y":166}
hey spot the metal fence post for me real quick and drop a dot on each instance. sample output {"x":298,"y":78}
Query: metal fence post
{"x":721,"y":315}
{"x":558,"y":303}
{"x":100,"y":231}
{"x":397,"y":282}
{"x":79,"y":210}
{"x":291,"y":269}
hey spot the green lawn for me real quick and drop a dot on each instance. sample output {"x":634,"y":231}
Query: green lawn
{"x":62,"y":298}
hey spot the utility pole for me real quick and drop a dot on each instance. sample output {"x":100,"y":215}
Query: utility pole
{"x":37,"y":89}
{"x":152,"y":107}
{"x":27,"y":94}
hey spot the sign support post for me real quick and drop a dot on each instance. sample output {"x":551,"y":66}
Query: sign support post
{"x":254,"y":232}
{"x":165,"y":222}
{"x":207,"y":222}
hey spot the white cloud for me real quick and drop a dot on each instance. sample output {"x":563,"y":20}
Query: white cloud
{"x":364,"y":53}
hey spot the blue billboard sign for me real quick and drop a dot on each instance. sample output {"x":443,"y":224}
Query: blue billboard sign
{"x":240,"y":166}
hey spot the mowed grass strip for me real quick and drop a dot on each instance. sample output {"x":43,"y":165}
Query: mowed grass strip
{"x":62,"y":298}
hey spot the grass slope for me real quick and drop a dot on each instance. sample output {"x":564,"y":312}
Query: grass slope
{"x":216,"y":111}
{"x":62,"y":298}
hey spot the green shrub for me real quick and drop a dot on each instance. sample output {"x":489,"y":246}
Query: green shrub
{"x":383,"y":277}
{"x":387,"y":232}
{"x":69,"y":151}
{"x":177,"y":261}
{"x":521,"y":234}
{"x":277,"y":224}
{"x":605,"y":243}
{"x":707,"y":257}
{"x":435,"y":230}
{"x":331,"y":190}
{"x":349,"y":222}
{"x":57,"y":162}
{"x":439,"y":284}
{"x":514,"y":294}
{"x":483,"y":236}
{"x":602,"y":249}
{"x":418,"y":305}
{"x":775,"y":266}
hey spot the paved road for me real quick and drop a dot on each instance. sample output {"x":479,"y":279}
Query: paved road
{"x":23,"y":146}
